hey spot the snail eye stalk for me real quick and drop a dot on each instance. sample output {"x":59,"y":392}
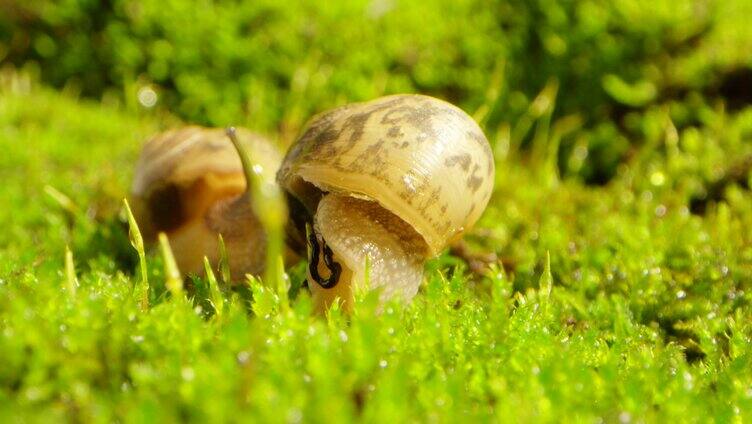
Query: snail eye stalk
{"x":314,"y":251}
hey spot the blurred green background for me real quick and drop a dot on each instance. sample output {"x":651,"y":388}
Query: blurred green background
{"x":620,"y":226}
{"x":271,"y":65}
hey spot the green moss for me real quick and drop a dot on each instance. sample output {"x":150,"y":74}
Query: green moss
{"x":643,"y":312}
{"x":627,"y":300}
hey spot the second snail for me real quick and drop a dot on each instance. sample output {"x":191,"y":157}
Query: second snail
{"x":190,"y":184}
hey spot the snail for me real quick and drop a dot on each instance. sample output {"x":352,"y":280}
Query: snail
{"x":380,"y":187}
{"x":189,"y":183}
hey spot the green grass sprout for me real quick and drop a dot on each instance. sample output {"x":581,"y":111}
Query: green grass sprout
{"x":618,"y":229}
{"x":173,"y":279}
{"x":61,"y":199}
{"x":224,"y":262}
{"x":546,"y":282}
{"x":70,"y":272}
{"x":137,"y":241}
{"x":269,"y":205}
{"x":215,"y":294}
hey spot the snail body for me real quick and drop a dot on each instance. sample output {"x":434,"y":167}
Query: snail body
{"x":189,"y":183}
{"x":390,"y":183}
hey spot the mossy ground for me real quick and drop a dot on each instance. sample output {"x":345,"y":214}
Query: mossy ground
{"x":644,"y":311}
{"x":625,"y":300}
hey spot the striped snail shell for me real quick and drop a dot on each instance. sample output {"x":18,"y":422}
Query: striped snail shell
{"x":388,"y":183}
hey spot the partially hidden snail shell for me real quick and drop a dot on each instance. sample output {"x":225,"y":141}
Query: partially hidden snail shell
{"x":189,"y":183}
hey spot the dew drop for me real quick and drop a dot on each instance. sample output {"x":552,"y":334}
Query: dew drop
{"x":242,"y":357}
{"x":625,"y":417}
{"x":187,"y":373}
{"x":294,"y":416}
{"x":657,"y":178}
{"x":147,"y":96}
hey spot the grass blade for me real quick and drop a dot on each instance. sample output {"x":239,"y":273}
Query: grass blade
{"x":137,"y":241}
{"x":224,"y":262}
{"x":174,"y":282}
{"x":215,"y":294}
{"x":61,"y":199}
{"x":546,"y":281}
{"x":70,"y":272}
{"x":545,"y":284}
{"x":269,"y":205}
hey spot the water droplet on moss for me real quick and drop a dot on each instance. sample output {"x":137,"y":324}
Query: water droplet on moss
{"x":657,"y":178}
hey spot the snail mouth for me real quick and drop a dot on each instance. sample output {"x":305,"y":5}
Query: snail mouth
{"x":317,"y":249}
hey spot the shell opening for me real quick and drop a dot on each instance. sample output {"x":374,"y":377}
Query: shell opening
{"x":166,"y":209}
{"x":172,"y":206}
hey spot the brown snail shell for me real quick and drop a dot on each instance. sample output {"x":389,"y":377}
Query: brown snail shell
{"x":189,"y":183}
{"x":390,"y":182}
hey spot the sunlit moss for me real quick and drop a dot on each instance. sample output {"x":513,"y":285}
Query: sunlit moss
{"x":628,"y":301}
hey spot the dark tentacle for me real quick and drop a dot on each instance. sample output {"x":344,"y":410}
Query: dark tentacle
{"x":335,"y":269}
